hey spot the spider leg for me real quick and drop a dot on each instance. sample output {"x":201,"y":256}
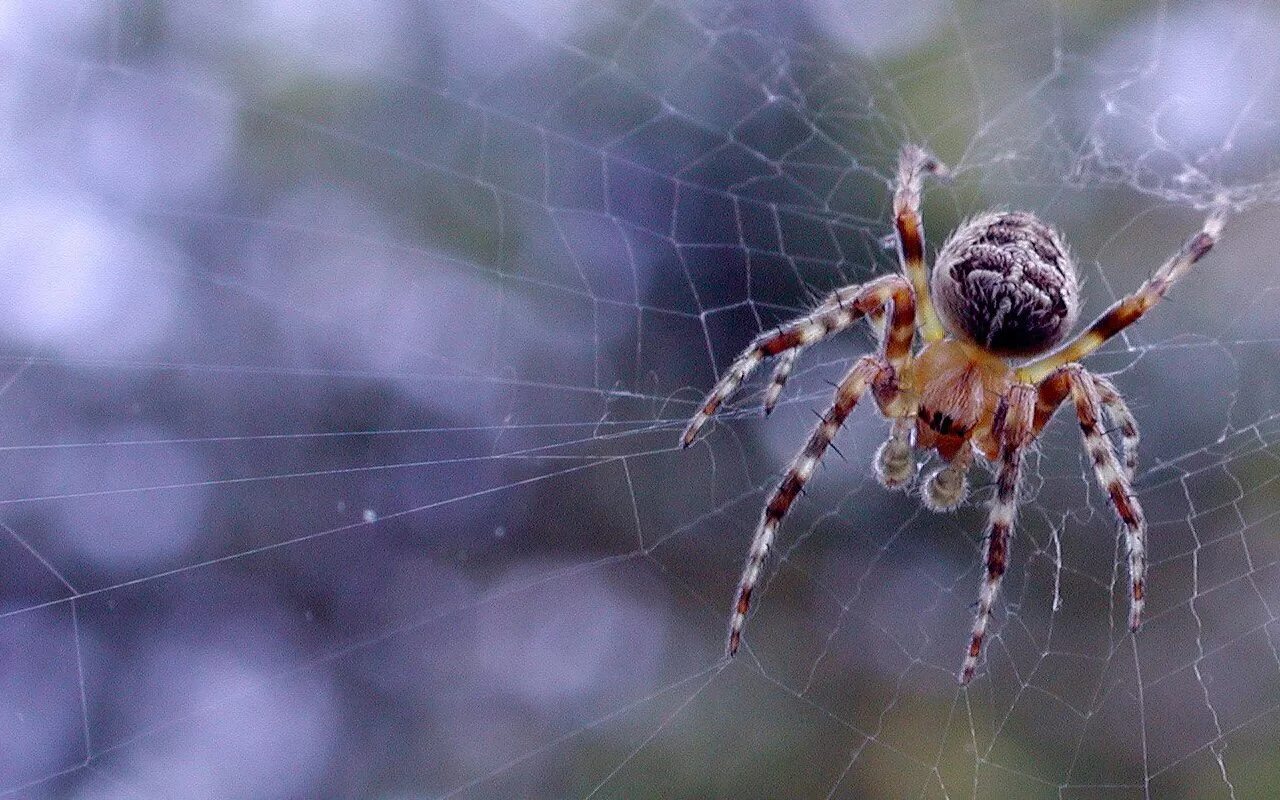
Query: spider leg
{"x":1094,"y":396}
{"x":845,"y":307}
{"x":786,"y":363}
{"x":1014,"y":419}
{"x":913,"y":164}
{"x":1106,"y":467}
{"x":1130,"y":309}
{"x":867,"y":371}
{"x":1119,"y":416}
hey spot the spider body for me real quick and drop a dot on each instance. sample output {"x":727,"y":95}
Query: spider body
{"x":1005,"y":282}
{"x":1003,"y":287}
{"x":956,"y":389}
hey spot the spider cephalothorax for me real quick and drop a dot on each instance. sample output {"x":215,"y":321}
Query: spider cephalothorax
{"x":1004,"y":286}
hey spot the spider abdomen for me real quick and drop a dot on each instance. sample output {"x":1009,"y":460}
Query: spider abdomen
{"x":1005,"y":282}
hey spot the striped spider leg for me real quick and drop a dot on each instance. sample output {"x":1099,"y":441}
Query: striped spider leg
{"x":1013,"y":428}
{"x":1130,"y":308}
{"x":914,"y":163}
{"x":837,"y":313}
{"x":878,"y":373}
{"x":1044,"y":384}
{"x":1122,"y":419}
{"x":894,"y":464}
{"x":1087,"y":392}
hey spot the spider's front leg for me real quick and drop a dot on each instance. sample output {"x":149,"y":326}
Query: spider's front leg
{"x":1129,"y":309}
{"x":838,"y":312}
{"x":894,"y":296}
{"x":1013,"y":427}
{"x":914,"y":163}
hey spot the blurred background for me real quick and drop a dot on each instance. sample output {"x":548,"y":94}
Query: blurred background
{"x":344,"y":347}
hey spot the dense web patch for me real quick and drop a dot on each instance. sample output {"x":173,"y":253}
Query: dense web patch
{"x":345,"y":356}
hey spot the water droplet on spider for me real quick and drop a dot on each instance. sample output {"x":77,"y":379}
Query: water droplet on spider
{"x":500,"y":531}
{"x":370,"y":515}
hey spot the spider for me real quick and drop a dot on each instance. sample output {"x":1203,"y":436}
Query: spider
{"x":1003,"y":294}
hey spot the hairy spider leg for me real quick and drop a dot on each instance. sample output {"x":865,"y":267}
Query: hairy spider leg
{"x":786,"y":363}
{"x":913,"y":164}
{"x":1121,"y":418}
{"x":1013,"y":426}
{"x":878,"y":373}
{"x":1075,"y":381}
{"x":840,"y":310}
{"x":1129,"y":309}
{"x":866,"y":372}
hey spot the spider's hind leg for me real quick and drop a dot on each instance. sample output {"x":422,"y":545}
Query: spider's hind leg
{"x":866,"y":373}
{"x":1014,"y":420}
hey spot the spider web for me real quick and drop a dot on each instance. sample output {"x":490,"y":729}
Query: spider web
{"x":345,"y":350}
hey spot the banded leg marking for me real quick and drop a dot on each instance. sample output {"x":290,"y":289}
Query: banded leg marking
{"x":1129,"y":309}
{"x":1121,"y":418}
{"x":837,"y":313}
{"x":1014,"y":426}
{"x":913,"y":164}
{"x":1089,"y":409}
{"x":855,"y":383}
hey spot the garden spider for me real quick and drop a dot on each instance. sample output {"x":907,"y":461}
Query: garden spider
{"x":1004,"y":287}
